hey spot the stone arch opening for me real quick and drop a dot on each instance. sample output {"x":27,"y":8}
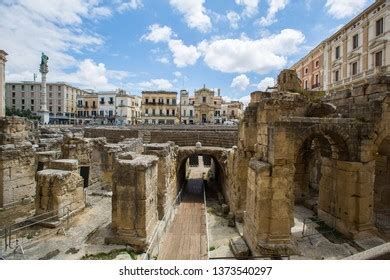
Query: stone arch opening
{"x":319,"y":159}
{"x":214,"y":177}
{"x":382,"y":185}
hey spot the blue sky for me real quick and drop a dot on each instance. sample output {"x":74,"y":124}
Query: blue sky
{"x":236,"y":45}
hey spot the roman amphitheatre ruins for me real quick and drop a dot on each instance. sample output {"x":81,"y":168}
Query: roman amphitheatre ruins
{"x":301,"y":177}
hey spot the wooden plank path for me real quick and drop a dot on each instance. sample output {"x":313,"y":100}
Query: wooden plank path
{"x":186,"y":238}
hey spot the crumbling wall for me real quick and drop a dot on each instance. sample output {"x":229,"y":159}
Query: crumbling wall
{"x":58,"y":188}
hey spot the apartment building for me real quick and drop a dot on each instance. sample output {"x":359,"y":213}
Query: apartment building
{"x":61,"y":99}
{"x":310,"y":69}
{"x":159,"y":107}
{"x":187,"y":109}
{"x":359,"y":50}
{"x":232,"y":111}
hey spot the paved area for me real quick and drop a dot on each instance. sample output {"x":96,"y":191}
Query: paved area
{"x":186,"y":238}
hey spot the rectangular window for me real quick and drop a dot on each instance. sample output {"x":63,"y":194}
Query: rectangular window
{"x":317,"y":63}
{"x":32,"y":101}
{"x":167,"y":112}
{"x":13,"y":87}
{"x":379,"y":27}
{"x":337,"y":52}
{"x":173,"y":101}
{"x":101,"y":113}
{"x":185,"y":113}
{"x":167,"y":101}
{"x":13,"y":101}
{"x":13,"y":94}
{"x":204,"y":99}
{"x":32,"y":88}
{"x":59,"y":109}
{"x":379,"y":59}
{"x":354,"y":68}
{"x":146,"y":111}
{"x":355,"y":41}
{"x":173,"y":112}
{"x":32,"y":108}
{"x":161,"y":112}
{"x":336,"y":76}
{"x":50,"y":108}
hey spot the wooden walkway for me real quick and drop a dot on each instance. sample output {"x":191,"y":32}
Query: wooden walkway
{"x":187,"y":237}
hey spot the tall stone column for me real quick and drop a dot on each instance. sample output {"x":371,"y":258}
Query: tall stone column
{"x":3,"y":60}
{"x":43,"y":112}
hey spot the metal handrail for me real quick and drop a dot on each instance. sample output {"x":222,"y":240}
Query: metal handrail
{"x":12,"y":229}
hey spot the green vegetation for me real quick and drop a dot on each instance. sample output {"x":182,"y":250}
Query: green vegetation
{"x":212,"y":248}
{"x":110,"y":255}
{"x":21,"y":113}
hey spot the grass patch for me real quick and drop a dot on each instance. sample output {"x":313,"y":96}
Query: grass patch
{"x":212,"y":248}
{"x":110,"y":255}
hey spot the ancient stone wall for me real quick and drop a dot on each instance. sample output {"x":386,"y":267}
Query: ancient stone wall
{"x":59,"y":189}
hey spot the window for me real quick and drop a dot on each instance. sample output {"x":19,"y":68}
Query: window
{"x":173,"y":101}
{"x":101,"y":113}
{"x":32,"y":88}
{"x":22,"y":87}
{"x":161,"y":112}
{"x":337,"y":52}
{"x":379,"y":59}
{"x":59,"y":109}
{"x":379,"y":27}
{"x":146,"y":111}
{"x":306,"y":84}
{"x":32,"y":101}
{"x":185,"y":113}
{"x":146,"y":100}
{"x":32,"y":108}
{"x":110,"y":113}
{"x":355,"y":41}
{"x":111,"y":100}
{"x":354,"y":68}
{"x":22,"y":101}
{"x":204,"y":99}
{"x":50,"y":88}
{"x":13,"y":101}
{"x":336,"y":76}
{"x":173,"y":112}
{"x":13,"y":94}
{"x":13,"y":87}
{"x":191,"y":113}
{"x":59,"y":88}
{"x":317,"y":63}
{"x":167,"y":101}
{"x":167,"y":112}
{"x":154,"y":112}
{"x":50,"y":108}
{"x":306,"y":70}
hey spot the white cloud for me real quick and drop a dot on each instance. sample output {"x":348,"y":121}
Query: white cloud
{"x":344,"y":8}
{"x":265,"y":83}
{"x":245,"y":100}
{"x":158,"y":33}
{"x":194,"y":14}
{"x":163,"y":60}
{"x":240,"y":82}
{"x":246,"y":55}
{"x":250,"y":6}
{"x":156,"y":84}
{"x":123,"y":6}
{"x":177,"y":74}
{"x":274,"y":6}
{"x":183,"y":55}
{"x":233,"y":19}
{"x":56,"y":28}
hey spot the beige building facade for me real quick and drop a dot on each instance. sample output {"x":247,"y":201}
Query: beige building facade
{"x":61,"y":99}
{"x":3,"y":60}
{"x":159,"y":107}
{"x":207,"y":106}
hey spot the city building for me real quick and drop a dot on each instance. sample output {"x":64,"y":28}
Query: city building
{"x":159,"y":107}
{"x":310,"y":69}
{"x":128,"y":109}
{"x":187,"y":109}
{"x":231,"y":111}
{"x":207,"y":106}
{"x":61,"y":99}
{"x":3,"y":60}
{"x":87,"y":107}
{"x":359,"y":50}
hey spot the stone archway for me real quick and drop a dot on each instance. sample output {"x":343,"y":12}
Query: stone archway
{"x":218,"y":155}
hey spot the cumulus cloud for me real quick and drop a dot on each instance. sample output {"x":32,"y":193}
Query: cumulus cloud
{"x":344,"y":8}
{"x":183,"y":55}
{"x":265,"y":83}
{"x":246,"y":55}
{"x":194,"y":14}
{"x":274,"y":6}
{"x":250,"y":6}
{"x":233,"y":19}
{"x":240,"y":82}
{"x":156,"y":84}
{"x":245,"y":100}
{"x":158,"y":33}
{"x":55,"y":27}
{"x":123,"y":6}
{"x":163,"y":59}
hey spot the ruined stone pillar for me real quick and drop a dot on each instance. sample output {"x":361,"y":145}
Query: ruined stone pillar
{"x":59,"y":189}
{"x":134,"y":200}
{"x":166,"y":188}
{"x":346,"y":196}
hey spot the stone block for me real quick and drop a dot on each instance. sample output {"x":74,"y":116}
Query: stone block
{"x":65,"y":164}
